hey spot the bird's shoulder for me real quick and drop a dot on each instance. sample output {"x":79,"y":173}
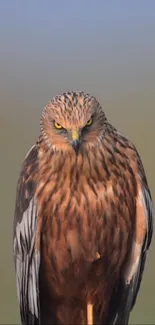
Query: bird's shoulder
{"x":26,"y":182}
{"x":125,"y":152}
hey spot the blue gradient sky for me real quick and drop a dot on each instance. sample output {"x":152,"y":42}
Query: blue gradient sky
{"x":102,"y":47}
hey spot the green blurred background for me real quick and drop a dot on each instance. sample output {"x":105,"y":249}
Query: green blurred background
{"x":48,"y":47}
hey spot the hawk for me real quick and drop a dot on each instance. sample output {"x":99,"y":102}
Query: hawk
{"x":83,"y":219}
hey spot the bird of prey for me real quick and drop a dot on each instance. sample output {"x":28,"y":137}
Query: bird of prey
{"x":83,"y":219}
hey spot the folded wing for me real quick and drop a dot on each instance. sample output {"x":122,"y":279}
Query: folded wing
{"x":125,"y":295}
{"x":26,"y":254}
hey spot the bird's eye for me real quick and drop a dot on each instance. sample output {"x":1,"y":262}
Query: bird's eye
{"x":57,"y":125}
{"x":89,"y":122}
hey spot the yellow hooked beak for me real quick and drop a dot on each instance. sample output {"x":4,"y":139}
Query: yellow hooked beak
{"x":75,"y":139}
{"x":75,"y":135}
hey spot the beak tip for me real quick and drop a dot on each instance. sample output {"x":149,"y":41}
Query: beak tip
{"x":76,"y":145}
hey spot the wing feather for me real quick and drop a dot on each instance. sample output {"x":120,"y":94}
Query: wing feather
{"x":125,"y":295}
{"x":27,"y":258}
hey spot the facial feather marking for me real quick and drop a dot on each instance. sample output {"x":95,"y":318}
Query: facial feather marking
{"x":72,"y":110}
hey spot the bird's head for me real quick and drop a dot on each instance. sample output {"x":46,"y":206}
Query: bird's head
{"x":73,"y":120}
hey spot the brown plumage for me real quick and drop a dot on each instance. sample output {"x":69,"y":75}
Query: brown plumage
{"x":83,"y":219}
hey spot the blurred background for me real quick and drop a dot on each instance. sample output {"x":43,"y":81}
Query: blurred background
{"x":106,"y":48}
